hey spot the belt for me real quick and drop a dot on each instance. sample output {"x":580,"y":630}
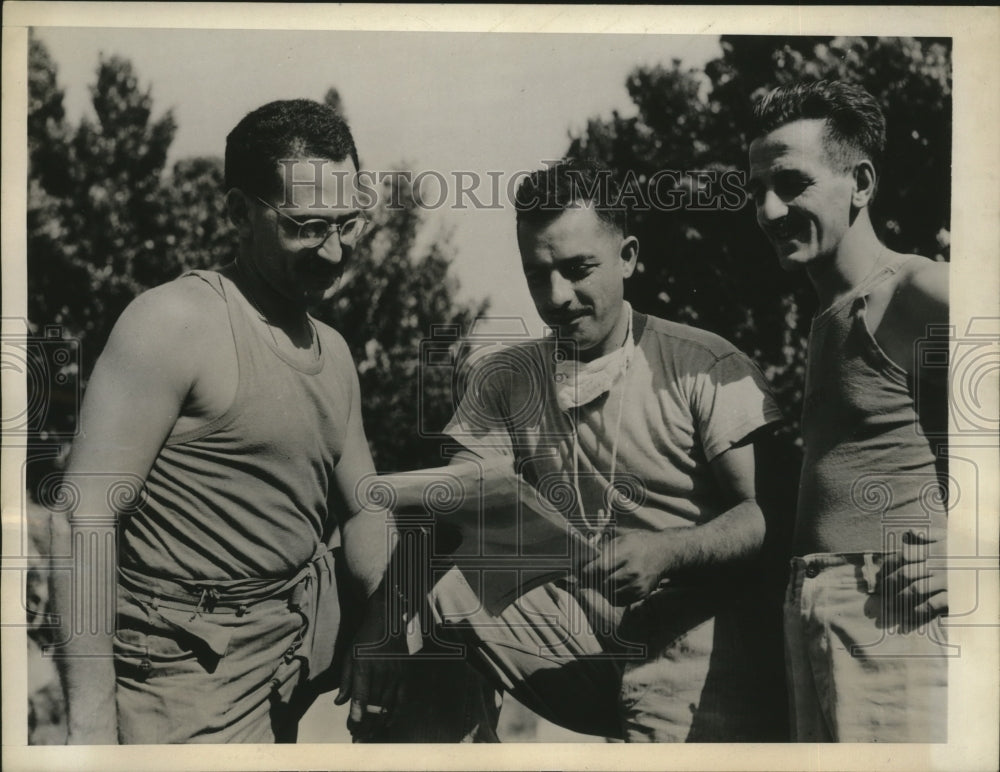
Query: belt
{"x":216,"y":595}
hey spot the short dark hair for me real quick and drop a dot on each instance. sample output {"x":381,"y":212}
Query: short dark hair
{"x":293,"y":128}
{"x":855,"y":124}
{"x":546,"y":193}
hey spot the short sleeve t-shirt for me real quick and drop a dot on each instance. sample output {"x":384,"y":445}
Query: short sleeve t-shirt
{"x":686,"y":397}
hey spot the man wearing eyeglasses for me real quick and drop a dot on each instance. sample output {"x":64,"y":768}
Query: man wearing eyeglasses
{"x":238,"y":417}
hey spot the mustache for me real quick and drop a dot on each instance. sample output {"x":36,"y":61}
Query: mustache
{"x":562,"y":317}
{"x":786,"y":226}
{"x":317,"y":268}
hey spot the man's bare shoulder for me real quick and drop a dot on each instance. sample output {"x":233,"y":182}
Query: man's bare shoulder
{"x":922,"y":287}
{"x":164,"y":344}
{"x":916,"y":301}
{"x":179,"y":308}
{"x":173,"y":327}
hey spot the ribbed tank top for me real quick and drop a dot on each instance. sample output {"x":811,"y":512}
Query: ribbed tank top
{"x":246,"y":496}
{"x":868,"y":469}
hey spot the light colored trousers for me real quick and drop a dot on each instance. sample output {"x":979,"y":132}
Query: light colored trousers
{"x":237,"y":661}
{"x":245,"y":664}
{"x":855,"y":673}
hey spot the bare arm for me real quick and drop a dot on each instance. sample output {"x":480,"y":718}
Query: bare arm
{"x":373,"y":684}
{"x":134,"y":396}
{"x":919,"y":300}
{"x":366,"y":531}
{"x":376,"y":685}
{"x":737,"y":533}
{"x":636,"y":562}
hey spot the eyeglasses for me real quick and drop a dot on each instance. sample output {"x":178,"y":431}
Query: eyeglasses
{"x":313,"y":233}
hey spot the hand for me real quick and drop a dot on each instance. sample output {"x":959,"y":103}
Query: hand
{"x":916,"y":592}
{"x":630,"y":567}
{"x":376,"y":689}
{"x":372,"y":674}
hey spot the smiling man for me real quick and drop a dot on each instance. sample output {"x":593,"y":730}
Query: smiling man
{"x":638,"y":433}
{"x":239,"y":416}
{"x":865,"y":646}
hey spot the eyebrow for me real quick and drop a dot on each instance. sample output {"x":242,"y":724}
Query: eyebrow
{"x":572,"y":261}
{"x":302,"y":218}
{"x":775,"y":171}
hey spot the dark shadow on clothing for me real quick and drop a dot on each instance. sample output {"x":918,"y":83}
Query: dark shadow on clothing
{"x":595,"y":687}
{"x":285,"y":717}
{"x":930,"y":397}
{"x":746,"y":676}
{"x":579,"y":695}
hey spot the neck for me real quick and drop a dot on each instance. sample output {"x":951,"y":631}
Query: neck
{"x":857,"y":255}
{"x":273,"y":307}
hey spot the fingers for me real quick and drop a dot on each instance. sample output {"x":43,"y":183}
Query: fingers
{"x":919,"y":591}
{"x":935,"y":605}
{"x":915,"y":594}
{"x":906,"y":555}
{"x":600,"y":565}
{"x":382,"y":683}
{"x":365,"y":720}
{"x":910,"y":574}
{"x":914,"y":547}
{"x":916,"y":538}
{"x":368,"y":727}
{"x":346,"y":677}
{"x":616,"y":573}
{"x":377,"y":694}
{"x":356,"y":713}
{"x":922,"y":612}
{"x":905,"y":574}
{"x":614,"y":555}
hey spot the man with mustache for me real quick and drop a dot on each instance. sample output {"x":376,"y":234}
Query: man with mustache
{"x":233,"y":418}
{"x":638,"y":433}
{"x":864,"y":641}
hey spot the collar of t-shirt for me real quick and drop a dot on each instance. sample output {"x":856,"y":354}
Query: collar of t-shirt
{"x":580,"y":383}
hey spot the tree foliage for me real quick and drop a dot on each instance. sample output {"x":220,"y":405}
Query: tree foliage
{"x":96,"y":221}
{"x":712,"y":268}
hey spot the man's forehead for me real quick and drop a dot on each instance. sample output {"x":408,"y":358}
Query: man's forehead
{"x":572,"y":236}
{"x":793,"y":144}
{"x":801,"y":134}
{"x":317,"y":183}
{"x":577,"y":221}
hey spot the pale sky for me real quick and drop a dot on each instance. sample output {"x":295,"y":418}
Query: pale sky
{"x":430,"y":101}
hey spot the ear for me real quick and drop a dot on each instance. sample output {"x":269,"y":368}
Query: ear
{"x":629,"y":254}
{"x":238,"y":209}
{"x":864,"y":184}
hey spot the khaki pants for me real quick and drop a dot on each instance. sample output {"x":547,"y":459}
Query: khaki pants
{"x":222,"y":667}
{"x":853,"y":675}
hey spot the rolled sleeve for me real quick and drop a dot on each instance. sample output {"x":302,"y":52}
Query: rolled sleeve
{"x":732,"y":401}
